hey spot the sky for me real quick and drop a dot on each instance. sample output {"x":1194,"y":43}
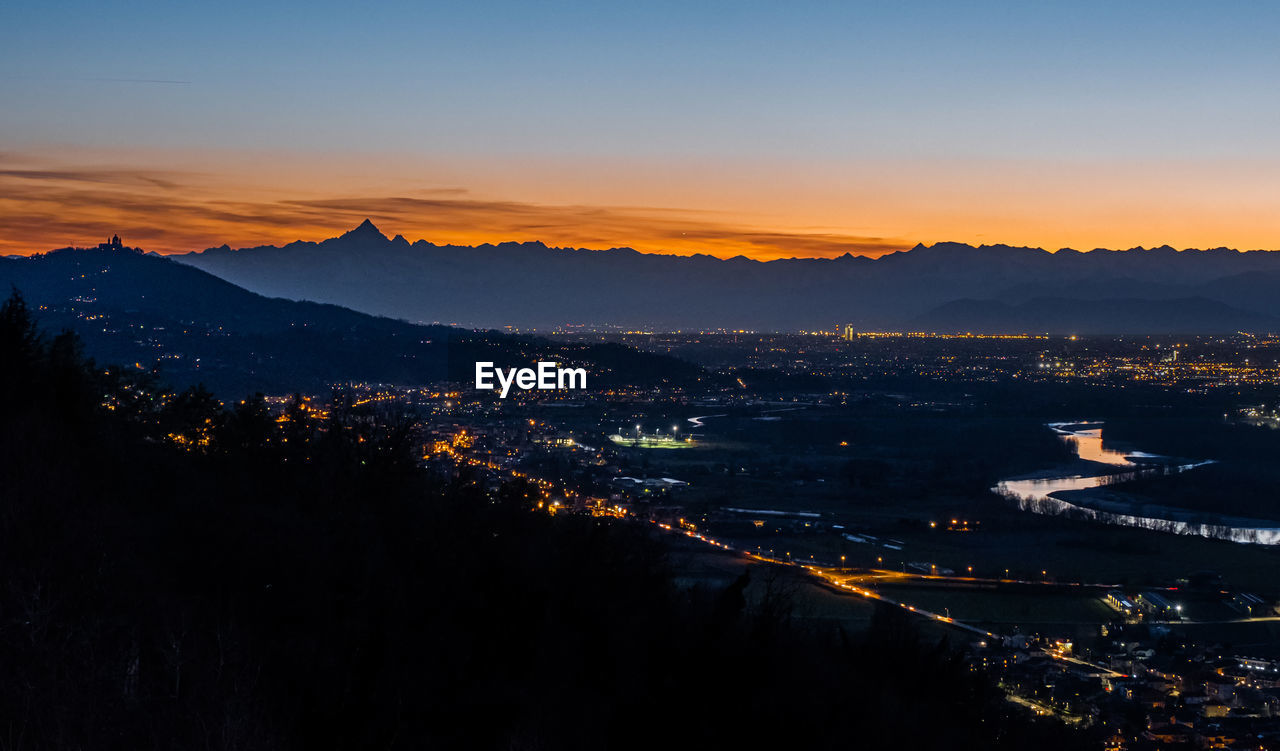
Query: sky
{"x":763,"y":129}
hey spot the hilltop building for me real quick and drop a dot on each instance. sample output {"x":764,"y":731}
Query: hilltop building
{"x":112,"y":244}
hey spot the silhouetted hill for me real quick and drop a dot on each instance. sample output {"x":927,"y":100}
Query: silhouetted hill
{"x":191,"y":326}
{"x":1195,"y":315}
{"x":530,"y":284}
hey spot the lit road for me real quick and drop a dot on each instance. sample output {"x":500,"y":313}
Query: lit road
{"x":834,"y":580}
{"x":1041,"y":709}
{"x":842,"y":582}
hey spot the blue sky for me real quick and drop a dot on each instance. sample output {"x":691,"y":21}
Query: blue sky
{"x":783,"y":86}
{"x":917,"y":79}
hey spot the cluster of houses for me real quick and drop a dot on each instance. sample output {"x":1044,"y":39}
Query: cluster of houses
{"x":1144,"y":695}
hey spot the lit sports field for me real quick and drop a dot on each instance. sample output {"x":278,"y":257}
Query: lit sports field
{"x":652,"y":441}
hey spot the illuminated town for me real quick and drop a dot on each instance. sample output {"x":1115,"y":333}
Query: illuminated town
{"x":1070,"y":630}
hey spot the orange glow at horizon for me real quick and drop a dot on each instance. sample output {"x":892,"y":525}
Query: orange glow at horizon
{"x":181,"y":202}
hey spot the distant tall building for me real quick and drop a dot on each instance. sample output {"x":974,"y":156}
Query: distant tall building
{"x":848,"y":332}
{"x":112,"y":244}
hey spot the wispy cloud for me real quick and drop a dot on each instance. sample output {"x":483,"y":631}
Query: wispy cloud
{"x":43,"y":207}
{"x":100,"y":175}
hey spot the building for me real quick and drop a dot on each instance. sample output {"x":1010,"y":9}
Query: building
{"x":1154,"y":603}
{"x":1119,"y":602}
{"x":1220,"y":689}
{"x":112,"y":244}
{"x":848,"y":332}
{"x":1250,"y":604}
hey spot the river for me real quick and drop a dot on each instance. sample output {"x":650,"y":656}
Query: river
{"x":1039,"y":493}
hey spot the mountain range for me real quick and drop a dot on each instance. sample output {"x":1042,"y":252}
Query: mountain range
{"x":188,"y":326}
{"x":946,"y":287}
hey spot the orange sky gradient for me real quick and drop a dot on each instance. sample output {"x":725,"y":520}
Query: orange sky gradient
{"x":176,"y":202}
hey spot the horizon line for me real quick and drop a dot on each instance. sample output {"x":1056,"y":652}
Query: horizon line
{"x":665,"y":253}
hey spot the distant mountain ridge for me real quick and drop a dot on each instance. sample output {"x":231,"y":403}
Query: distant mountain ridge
{"x":532,"y":285}
{"x":190,"y":326}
